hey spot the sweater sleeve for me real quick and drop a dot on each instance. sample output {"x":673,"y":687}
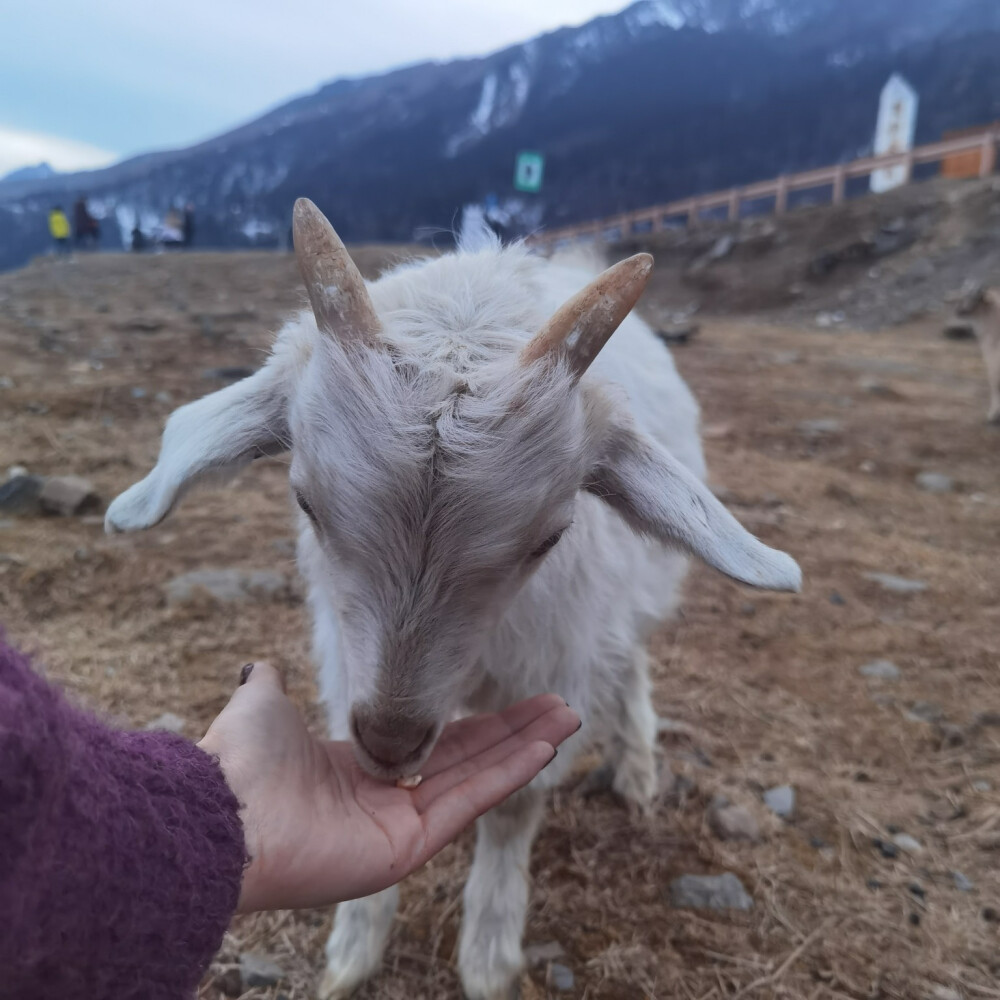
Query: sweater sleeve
{"x":121,"y":854}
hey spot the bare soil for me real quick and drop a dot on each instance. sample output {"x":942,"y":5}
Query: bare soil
{"x":765,"y":688}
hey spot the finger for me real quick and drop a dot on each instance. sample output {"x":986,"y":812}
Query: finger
{"x":457,"y":808}
{"x":261,"y":673}
{"x":468,"y":737}
{"x":552,"y":728}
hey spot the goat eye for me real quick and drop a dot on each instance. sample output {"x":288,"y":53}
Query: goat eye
{"x":304,"y":504}
{"x":548,"y":544}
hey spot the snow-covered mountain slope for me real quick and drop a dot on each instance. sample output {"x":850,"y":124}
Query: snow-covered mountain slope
{"x":664,"y":99}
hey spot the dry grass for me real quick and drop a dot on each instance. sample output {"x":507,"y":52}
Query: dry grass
{"x":767,"y":684}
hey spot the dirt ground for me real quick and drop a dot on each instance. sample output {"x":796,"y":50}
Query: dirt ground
{"x":765,"y":689}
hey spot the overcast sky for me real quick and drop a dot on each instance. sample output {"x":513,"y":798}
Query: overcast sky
{"x":83,"y":84}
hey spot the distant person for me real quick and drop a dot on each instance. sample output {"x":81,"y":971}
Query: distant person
{"x":172,"y":231}
{"x":187,"y":225}
{"x":59,"y":229}
{"x":139,"y":241}
{"x":86,"y":228}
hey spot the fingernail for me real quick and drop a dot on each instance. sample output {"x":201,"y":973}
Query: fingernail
{"x":245,"y":673}
{"x":579,"y":726}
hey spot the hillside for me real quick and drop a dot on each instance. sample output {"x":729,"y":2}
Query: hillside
{"x":666,"y":98}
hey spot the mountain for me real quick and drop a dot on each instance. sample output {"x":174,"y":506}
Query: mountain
{"x":39,"y":172}
{"x":664,"y":99}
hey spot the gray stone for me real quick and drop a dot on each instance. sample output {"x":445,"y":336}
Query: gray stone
{"x":138,"y":392}
{"x":925,"y":711}
{"x":68,"y":495}
{"x":561,"y":977}
{"x":20,"y":495}
{"x":780,"y":800}
{"x":935,"y":482}
{"x":896,"y":584}
{"x":982,"y":785}
{"x":169,"y":721}
{"x":6,"y":382}
{"x":17,"y":470}
{"x":729,"y":822}
{"x":880,"y":670}
{"x":225,"y":585}
{"x":907,"y":843}
{"x":540,"y":954}
{"x":709,"y":892}
{"x":959,"y":329}
{"x":962,"y":883}
{"x":786,"y":357}
{"x":723,"y":247}
{"x":163,"y":397}
{"x":817,"y":428}
{"x":258,"y":970}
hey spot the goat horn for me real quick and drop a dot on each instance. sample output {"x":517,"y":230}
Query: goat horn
{"x":337,"y":292}
{"x":583,"y":325}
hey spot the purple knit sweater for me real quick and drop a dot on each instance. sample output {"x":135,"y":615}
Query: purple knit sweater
{"x":121,"y":854}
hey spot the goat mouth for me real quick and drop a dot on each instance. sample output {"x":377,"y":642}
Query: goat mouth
{"x":393,"y":770}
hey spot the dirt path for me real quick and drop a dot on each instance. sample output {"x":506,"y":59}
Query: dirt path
{"x":767,"y":687}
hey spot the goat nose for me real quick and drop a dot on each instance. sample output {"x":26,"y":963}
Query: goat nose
{"x":391,"y":740}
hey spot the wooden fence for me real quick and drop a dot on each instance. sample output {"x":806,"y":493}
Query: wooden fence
{"x":691,"y":211}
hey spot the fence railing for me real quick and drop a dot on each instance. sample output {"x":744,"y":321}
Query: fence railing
{"x":689,"y":212}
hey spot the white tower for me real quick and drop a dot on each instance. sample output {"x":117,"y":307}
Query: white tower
{"x":897,"y":125}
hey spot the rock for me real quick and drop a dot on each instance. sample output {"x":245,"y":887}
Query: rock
{"x":709,"y":892}
{"x":876,"y":387}
{"x":20,"y":495}
{"x":780,"y":800}
{"x":925,"y":711}
{"x":826,"y":320}
{"x":68,"y":495}
{"x":887,"y":849}
{"x":232,"y":373}
{"x":140,"y":324}
{"x":259,"y":970}
{"x":951,"y":734}
{"x":561,"y":977}
{"x":230,"y":982}
{"x":959,"y":329}
{"x":17,"y":470}
{"x":982,"y":785}
{"x":723,"y":247}
{"x":907,"y":843}
{"x":784,"y":358}
{"x":817,"y":428}
{"x":939,"y":992}
{"x":6,"y":382}
{"x":168,"y":721}
{"x":880,"y":670}
{"x":137,"y":392}
{"x":163,"y":397}
{"x":896,"y":584}
{"x":935,"y":482}
{"x":729,"y":822}
{"x":962,"y":884}
{"x":540,"y":954}
{"x":225,"y":585}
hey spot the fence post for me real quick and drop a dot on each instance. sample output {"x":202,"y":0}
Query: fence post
{"x":694,"y":213}
{"x":908,"y":167}
{"x":840,"y":184}
{"x":988,"y":157}
{"x":781,"y":196}
{"x":735,"y":201}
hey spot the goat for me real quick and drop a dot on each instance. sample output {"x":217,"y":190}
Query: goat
{"x":487,"y":510}
{"x":982,"y":306}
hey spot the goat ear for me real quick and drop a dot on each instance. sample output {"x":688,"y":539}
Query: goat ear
{"x":659,"y":497}
{"x":209,"y":438}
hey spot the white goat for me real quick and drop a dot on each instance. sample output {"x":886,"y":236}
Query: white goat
{"x":485,"y":516}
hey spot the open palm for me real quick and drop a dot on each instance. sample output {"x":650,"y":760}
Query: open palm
{"x":320,"y":830}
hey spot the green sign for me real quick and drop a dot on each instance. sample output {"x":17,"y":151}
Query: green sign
{"x":528,"y":171}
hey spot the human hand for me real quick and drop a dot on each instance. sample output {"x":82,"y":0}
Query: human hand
{"x":320,"y":830}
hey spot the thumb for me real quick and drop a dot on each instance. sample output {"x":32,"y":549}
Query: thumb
{"x":260,"y":673}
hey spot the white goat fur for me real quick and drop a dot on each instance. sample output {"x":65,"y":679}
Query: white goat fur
{"x":576,"y":625}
